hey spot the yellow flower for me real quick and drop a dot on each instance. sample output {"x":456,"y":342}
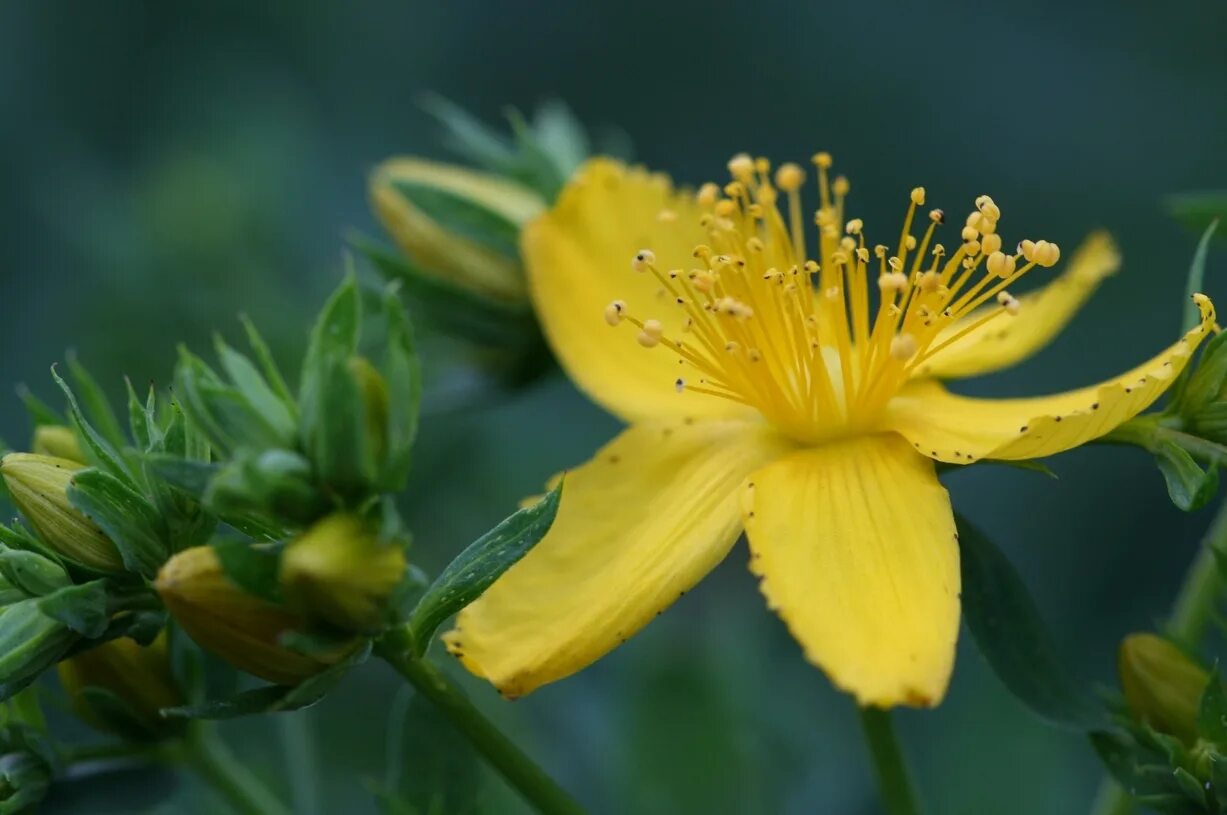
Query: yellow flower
{"x":790,"y":398}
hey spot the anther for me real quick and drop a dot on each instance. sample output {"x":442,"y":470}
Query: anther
{"x":1000,"y":265}
{"x":910,"y":242}
{"x":1009,"y":302}
{"x":840,"y":185}
{"x":1046,"y":254}
{"x":708,"y":194}
{"x":650,"y":336}
{"x":741,"y":167}
{"x":725,"y":207}
{"x":990,"y":244}
{"x":789,"y":177}
{"x":937,"y":216}
{"x":679,"y":384}
{"x":643,"y":259}
{"x":929,"y":281}
{"x":892,"y":281}
{"x":903,"y":347}
{"x":822,"y":160}
{"x":969,"y":233}
{"x":918,"y":196}
{"x":1026,"y":248}
{"x":666,"y":216}
{"x":614,"y":312}
{"x":854,"y":226}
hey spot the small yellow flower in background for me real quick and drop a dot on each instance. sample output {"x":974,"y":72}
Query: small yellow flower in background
{"x":792,"y":398}
{"x":1162,"y":686}
{"x":137,"y":676}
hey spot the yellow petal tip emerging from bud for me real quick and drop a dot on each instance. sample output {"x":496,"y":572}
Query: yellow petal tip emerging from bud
{"x":339,"y":573}
{"x":57,"y":441}
{"x":39,"y":488}
{"x":139,"y":676}
{"x":1162,"y":685}
{"x":241,"y":628}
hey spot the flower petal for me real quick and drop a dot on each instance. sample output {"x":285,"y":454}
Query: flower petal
{"x":959,"y":429}
{"x":1008,"y":340}
{"x":638,"y":525}
{"x":855,"y":543}
{"x":579,"y":256}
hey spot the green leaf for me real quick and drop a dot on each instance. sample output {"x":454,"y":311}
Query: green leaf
{"x":1212,"y":713}
{"x":128,"y":519}
{"x":192,"y":477}
{"x":82,"y":608}
{"x":469,"y":136}
{"x":561,"y":136}
{"x":1197,"y":210}
{"x":266,"y":402}
{"x":40,"y":412}
{"x":478,"y":566}
{"x":101,"y":450}
{"x":272,"y":374}
{"x":31,"y":572}
{"x":1010,"y":633}
{"x":464,"y":217}
{"x":253,"y":567}
{"x":1119,"y":754}
{"x":1202,"y":386}
{"x":140,"y":416}
{"x":403,"y":375}
{"x":1188,"y":485}
{"x":96,"y":406}
{"x":450,"y":308}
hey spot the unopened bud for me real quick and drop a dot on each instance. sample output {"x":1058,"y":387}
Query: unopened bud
{"x":1162,"y":686}
{"x":137,"y":676}
{"x":339,"y":573}
{"x":39,"y":487}
{"x":57,"y":441}
{"x":239,"y":627}
{"x":374,"y":390}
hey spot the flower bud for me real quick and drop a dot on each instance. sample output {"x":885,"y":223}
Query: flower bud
{"x":30,"y":642}
{"x":410,"y":197}
{"x":1162,"y":686}
{"x":137,"y":676}
{"x":58,"y":441}
{"x":39,"y":487}
{"x":374,"y":392}
{"x":241,"y":628}
{"x":339,"y":573}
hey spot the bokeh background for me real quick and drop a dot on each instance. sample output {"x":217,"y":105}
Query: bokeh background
{"x":164,"y":167}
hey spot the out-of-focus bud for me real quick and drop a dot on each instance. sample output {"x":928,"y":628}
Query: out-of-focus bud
{"x":57,"y":441}
{"x":137,"y":677}
{"x":39,"y":487}
{"x":374,"y":392}
{"x":25,"y":769}
{"x":239,"y":627}
{"x":1162,"y":686}
{"x":459,"y":224}
{"x":339,"y":573}
{"x":30,"y":642}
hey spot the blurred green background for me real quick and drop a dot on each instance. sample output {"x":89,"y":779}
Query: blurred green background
{"x":167,"y":166}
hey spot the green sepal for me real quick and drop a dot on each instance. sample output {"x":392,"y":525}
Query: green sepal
{"x":249,"y":381}
{"x":228,"y":417}
{"x":32,"y":573}
{"x":141,"y":420}
{"x":1188,"y":485}
{"x":464,"y":217}
{"x":268,"y":366}
{"x":102,"y":453}
{"x":126,"y":516}
{"x":1205,"y":383}
{"x":1210,"y":421}
{"x":478,"y":566}
{"x":192,"y":477}
{"x":83,"y":609}
{"x":1012,"y":636}
{"x":1212,"y":712}
{"x":96,"y":407}
{"x":40,"y":412}
{"x":403,"y":376}
{"x":30,"y":642}
{"x":1198,"y":209}
{"x":275,"y":484}
{"x":253,"y":567}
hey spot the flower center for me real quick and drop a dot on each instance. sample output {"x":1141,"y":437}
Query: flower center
{"x":820,"y":347}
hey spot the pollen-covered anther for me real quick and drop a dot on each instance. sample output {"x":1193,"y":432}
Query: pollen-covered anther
{"x":937,"y":216}
{"x":822,"y":160}
{"x":1046,"y":254}
{"x":840,"y":185}
{"x":732,"y":346}
{"x":854,"y":226}
{"x":903,"y":347}
{"x":1009,"y":302}
{"x":929,"y":281}
{"x":725,"y":207}
{"x":649,"y":336}
{"x":969,"y":234}
{"x":754,"y":355}
{"x":990,"y":244}
{"x":789,"y":177}
{"x":1026,"y":248}
{"x":615,"y":311}
{"x":643,"y":260}
{"x":892,"y":281}
{"x":918,"y":196}
{"x":1000,"y":264}
{"x":755,"y":244}
{"x":972,"y":248}
{"x":862,"y":254}
{"x":708,"y":194}
{"x":910,"y":242}
{"x":741,"y":167}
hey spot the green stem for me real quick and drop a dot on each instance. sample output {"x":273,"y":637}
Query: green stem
{"x":894,"y":781}
{"x":520,"y":771}
{"x":1192,"y":612}
{"x":212,"y":759}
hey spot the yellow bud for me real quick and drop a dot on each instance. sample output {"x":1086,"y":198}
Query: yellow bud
{"x":1162,"y":686}
{"x":57,"y":441}
{"x":375,"y":399}
{"x":39,"y":487}
{"x":139,"y":676}
{"x":453,"y":257}
{"x":341,"y":574}
{"x":238,"y":627}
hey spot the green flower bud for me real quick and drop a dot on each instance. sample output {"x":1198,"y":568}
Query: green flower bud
{"x":57,"y":441}
{"x":339,"y":573}
{"x":374,"y":392}
{"x":136,"y":677}
{"x":25,"y":776}
{"x":39,"y":487}
{"x":1162,"y":686}
{"x":241,"y":628}
{"x":456,"y":223}
{"x":30,"y":642}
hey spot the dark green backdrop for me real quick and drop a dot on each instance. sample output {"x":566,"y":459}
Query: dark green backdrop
{"x":165,"y":166}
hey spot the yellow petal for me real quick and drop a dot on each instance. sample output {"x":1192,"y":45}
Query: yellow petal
{"x":578,"y":257}
{"x":638,"y":525}
{"x":1006,"y":340}
{"x":855,"y":545}
{"x":453,"y":257}
{"x":959,"y":429}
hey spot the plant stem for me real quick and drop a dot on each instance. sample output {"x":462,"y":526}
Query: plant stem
{"x":894,"y":781}
{"x":210,"y":757}
{"x":1191,"y":614}
{"x":520,"y":771}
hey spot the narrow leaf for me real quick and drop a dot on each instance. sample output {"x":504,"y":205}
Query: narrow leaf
{"x":258,"y":392}
{"x":96,"y":406}
{"x":478,"y":566}
{"x":40,"y":412}
{"x":104,"y":454}
{"x":267,"y":364}
{"x":1010,"y":633}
